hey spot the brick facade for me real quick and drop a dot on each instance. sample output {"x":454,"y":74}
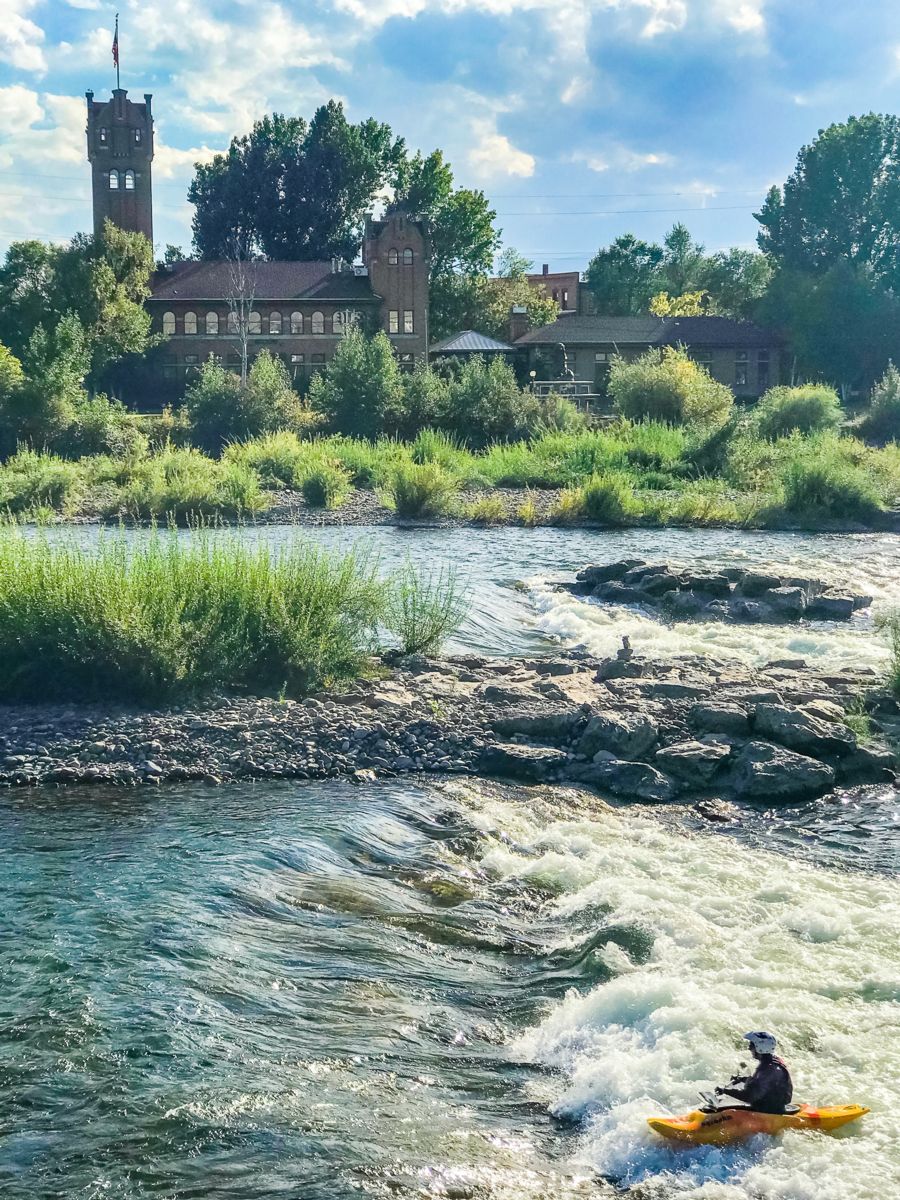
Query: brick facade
{"x":120,"y":151}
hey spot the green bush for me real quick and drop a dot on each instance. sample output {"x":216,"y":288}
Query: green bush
{"x":326,"y":485}
{"x":609,"y":500}
{"x":485,"y":404}
{"x":360,"y":390}
{"x":667,"y":385}
{"x":811,"y":408}
{"x":279,"y":459}
{"x":184,"y":485}
{"x":100,"y":426}
{"x":881,"y":422}
{"x":220,"y":410}
{"x":175,"y":615}
{"x":889,"y":624}
{"x":422,"y":491}
{"x":423,"y":610}
{"x":829,"y":489}
{"x":34,"y":479}
{"x":558,"y":414}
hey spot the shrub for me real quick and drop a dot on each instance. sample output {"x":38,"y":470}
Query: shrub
{"x":608,"y":499}
{"x":527,"y":513}
{"x":279,"y":459}
{"x":184,"y":484}
{"x":221,"y":410}
{"x":667,"y":385}
{"x":424,"y":403}
{"x":100,"y":426}
{"x":558,"y":414}
{"x":568,"y":507}
{"x":829,"y":489}
{"x":485,"y":404}
{"x":360,"y":391}
{"x":811,"y":408}
{"x":170,"y":427}
{"x":33,"y":479}
{"x":881,"y":422}
{"x":488,"y":510}
{"x":326,"y":485}
{"x":422,"y":491}
{"x":174,"y":616}
{"x":423,"y":610}
{"x":889,"y":624}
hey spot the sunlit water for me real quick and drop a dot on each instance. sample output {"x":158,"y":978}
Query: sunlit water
{"x":451,"y":990}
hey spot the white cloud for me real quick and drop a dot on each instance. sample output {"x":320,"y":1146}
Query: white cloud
{"x":622,"y":158}
{"x":494,"y":154}
{"x":169,"y":162}
{"x":91,"y":5}
{"x":19,"y":106}
{"x":20,"y":38}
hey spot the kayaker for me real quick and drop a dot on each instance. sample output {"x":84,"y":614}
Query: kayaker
{"x":769,"y":1089}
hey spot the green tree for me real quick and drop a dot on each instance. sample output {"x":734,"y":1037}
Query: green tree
{"x":483,"y":304}
{"x":683,"y":262}
{"x":841,"y":203}
{"x":513,"y":265}
{"x":667,"y":385}
{"x":486,"y":405}
{"x":11,"y":374}
{"x":623,"y":276}
{"x":360,"y":391}
{"x":292,"y":190}
{"x":688,"y":304}
{"x":736,"y":282}
{"x":221,"y":410}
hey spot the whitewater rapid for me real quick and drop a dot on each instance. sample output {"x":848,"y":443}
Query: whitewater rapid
{"x":738,"y":939}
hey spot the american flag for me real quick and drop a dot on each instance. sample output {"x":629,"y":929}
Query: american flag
{"x":115,"y":45}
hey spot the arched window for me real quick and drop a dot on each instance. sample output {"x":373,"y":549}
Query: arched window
{"x":274,"y":322}
{"x":212,"y":323}
{"x":337,"y":323}
{"x":296,"y":322}
{"x":407,"y":257}
{"x":231,"y":323}
{"x":254,"y":325}
{"x":168,"y":323}
{"x":318,"y":322}
{"x":190,"y":322}
{"x":104,"y":136}
{"x":129,"y":181}
{"x":114,"y":181}
{"x":138,"y":137}
{"x":393,"y":258}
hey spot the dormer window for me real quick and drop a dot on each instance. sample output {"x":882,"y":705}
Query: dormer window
{"x":103,"y":136}
{"x":114,"y":181}
{"x":393,"y":258}
{"x":129,"y":181}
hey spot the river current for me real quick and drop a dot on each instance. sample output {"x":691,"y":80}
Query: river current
{"x":454,"y":989}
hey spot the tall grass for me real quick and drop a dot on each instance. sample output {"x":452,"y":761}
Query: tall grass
{"x":422,"y":491}
{"x":33,"y":479}
{"x":889,"y":624}
{"x":424,"y":609}
{"x":179,"y":615}
{"x":185,"y":484}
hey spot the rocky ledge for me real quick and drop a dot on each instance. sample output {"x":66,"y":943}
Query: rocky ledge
{"x":690,"y":728}
{"x":733,"y":594}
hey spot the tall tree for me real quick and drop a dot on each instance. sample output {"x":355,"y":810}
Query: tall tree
{"x":292,"y":190}
{"x":623,"y":277}
{"x":842,"y":202}
{"x":736,"y":281}
{"x":683,"y":261}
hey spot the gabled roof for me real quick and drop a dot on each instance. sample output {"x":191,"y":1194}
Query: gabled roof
{"x":650,"y":331}
{"x":268,"y":280}
{"x":470,"y":342}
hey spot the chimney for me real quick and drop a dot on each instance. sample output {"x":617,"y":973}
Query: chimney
{"x":545,"y":269}
{"x":519,"y":323}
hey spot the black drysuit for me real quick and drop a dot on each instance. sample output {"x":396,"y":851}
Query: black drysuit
{"x":768,"y":1089}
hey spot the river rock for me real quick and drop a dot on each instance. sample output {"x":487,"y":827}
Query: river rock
{"x":713,"y":717}
{"x":762,"y":771}
{"x":694,"y":762}
{"x":709,"y":583}
{"x":830,"y":606}
{"x":603,"y":572}
{"x":799,"y":730}
{"x":867,"y":763}
{"x":785,"y":603}
{"x":626,"y":734}
{"x":630,"y":780}
{"x":549,"y":727}
{"x":531,"y":764}
{"x":755,"y":583}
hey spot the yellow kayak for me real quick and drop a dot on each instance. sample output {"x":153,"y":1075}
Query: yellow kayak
{"x":724,"y":1125}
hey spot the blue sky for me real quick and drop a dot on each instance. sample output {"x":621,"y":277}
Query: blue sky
{"x":582,"y":119}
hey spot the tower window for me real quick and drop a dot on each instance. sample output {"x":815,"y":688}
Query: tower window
{"x":296,"y":322}
{"x":168,"y":323}
{"x":114,"y":181}
{"x":138,"y":137}
{"x":337,"y":323}
{"x":129,"y":181}
{"x":407,"y":257}
{"x":393,"y":258}
{"x":190,"y":322}
{"x":393,"y":321}
{"x":255,"y":323}
{"x":318,"y":322}
{"x":212,"y":323}
{"x":275,"y":322}
{"x":407,"y":320}
{"x":232,"y":324}
{"x":103,"y":136}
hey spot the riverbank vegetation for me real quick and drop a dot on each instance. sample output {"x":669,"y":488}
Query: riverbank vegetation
{"x":189,"y":614}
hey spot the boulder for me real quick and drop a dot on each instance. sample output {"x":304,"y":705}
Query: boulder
{"x":867,"y":763}
{"x":708,"y":582}
{"x":830,"y":606}
{"x":714,"y":717}
{"x":676,"y":690}
{"x":762,"y":771}
{"x":626,"y":734}
{"x":508,"y":693}
{"x":748,"y":612}
{"x":786,"y":603}
{"x":544,"y":727}
{"x":618,"y":593}
{"x":615,"y":668}
{"x":659,"y":583}
{"x":693,"y":762}
{"x":824,"y":710}
{"x":754,"y":583}
{"x":799,"y":730}
{"x":630,"y":780}
{"x":531,"y":764}
{"x":603,"y":572}
{"x":682,"y":605}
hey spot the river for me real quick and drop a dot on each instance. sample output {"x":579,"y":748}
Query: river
{"x":453,"y":989}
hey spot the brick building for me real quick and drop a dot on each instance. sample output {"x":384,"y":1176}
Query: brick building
{"x":297,"y":310}
{"x":562,"y":286}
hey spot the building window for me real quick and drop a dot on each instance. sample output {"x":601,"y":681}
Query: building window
{"x":212,"y":323}
{"x":190,"y":323}
{"x":318,"y":360}
{"x":254,"y":325}
{"x":318,"y":322}
{"x":407,"y":320}
{"x":168,"y":324}
{"x":297,"y":360}
{"x":556,"y":294}
{"x":703,"y":358}
{"x":763,"y":369}
{"x":191,"y":362}
{"x":407,"y":257}
{"x":565,"y":299}
{"x":393,"y":258}
{"x":170,"y":368}
{"x":104,"y":136}
{"x":275,"y":322}
{"x":394,"y":321}
{"x":602,"y":356}
{"x":234,"y":360}
{"x":407,"y":362}
{"x":114,"y":181}
{"x":296,"y":322}
{"x":337,"y":323}
{"x":231,"y":323}
{"x":741,"y":368}
{"x":129,"y":181}
{"x":138,"y":137}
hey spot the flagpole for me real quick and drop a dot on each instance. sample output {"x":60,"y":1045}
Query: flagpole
{"x":118,"y":80}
